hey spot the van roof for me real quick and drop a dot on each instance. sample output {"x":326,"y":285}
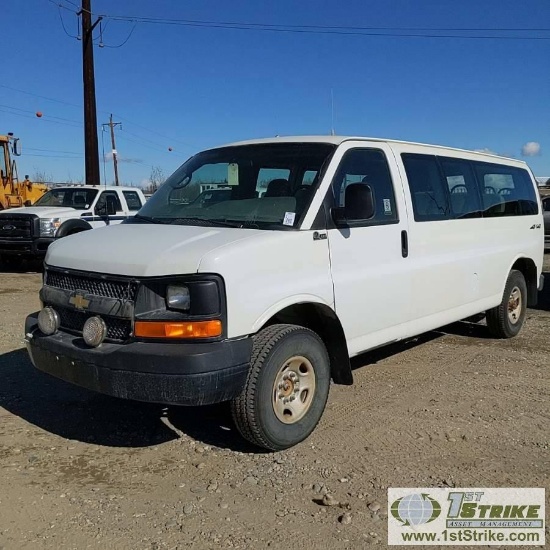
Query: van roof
{"x":337,"y":140}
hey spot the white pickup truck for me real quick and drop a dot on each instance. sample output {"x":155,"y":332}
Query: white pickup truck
{"x":62,"y":211}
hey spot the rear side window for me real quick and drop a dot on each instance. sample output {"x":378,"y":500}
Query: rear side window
{"x":133,"y":200}
{"x":367,"y":166}
{"x":505,"y":190}
{"x":463,"y":190}
{"x":430,"y":199}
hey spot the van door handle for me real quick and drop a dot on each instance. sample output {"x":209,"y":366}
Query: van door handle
{"x":404,"y":244}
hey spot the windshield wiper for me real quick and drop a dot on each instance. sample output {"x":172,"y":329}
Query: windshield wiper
{"x":204,"y":222}
{"x":148,"y":219}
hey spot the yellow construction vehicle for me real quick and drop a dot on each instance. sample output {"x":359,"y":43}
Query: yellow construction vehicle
{"x":14,"y":193}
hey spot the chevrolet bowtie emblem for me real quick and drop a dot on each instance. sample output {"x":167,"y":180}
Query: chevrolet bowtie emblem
{"x":79,"y":302}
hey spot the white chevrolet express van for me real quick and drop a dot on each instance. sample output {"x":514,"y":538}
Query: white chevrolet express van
{"x":319,"y":249}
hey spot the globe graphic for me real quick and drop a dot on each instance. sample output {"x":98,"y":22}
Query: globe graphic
{"x":417,"y":509}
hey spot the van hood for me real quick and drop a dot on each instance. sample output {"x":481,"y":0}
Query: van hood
{"x":142,"y":250}
{"x":44,"y":211}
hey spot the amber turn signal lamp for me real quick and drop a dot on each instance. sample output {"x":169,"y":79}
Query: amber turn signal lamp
{"x":189,"y":329}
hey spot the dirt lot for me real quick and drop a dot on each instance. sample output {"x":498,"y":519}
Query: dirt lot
{"x":80,"y":470}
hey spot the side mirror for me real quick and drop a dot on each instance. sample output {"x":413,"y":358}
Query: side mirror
{"x":28,"y":203}
{"x":359,"y":205}
{"x":16,"y":148}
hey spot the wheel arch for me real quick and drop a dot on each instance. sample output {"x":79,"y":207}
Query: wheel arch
{"x":321,"y":319}
{"x":72,"y":226}
{"x":528,"y":268}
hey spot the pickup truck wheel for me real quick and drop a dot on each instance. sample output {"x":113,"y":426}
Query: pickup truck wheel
{"x":286,"y":390}
{"x":506,"y":320}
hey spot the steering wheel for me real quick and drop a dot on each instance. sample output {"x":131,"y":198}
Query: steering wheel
{"x":461,"y":186}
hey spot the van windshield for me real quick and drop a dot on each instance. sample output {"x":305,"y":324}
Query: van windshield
{"x":262,"y":186}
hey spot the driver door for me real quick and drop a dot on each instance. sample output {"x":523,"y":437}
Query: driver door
{"x":369,"y":264}
{"x":108,"y":198}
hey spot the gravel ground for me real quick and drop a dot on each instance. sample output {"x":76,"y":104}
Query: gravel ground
{"x":81,"y":470}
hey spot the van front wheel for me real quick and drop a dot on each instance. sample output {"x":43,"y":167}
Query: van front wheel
{"x":506,"y":320}
{"x":286,"y":390}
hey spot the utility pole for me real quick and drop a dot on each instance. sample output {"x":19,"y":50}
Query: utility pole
{"x":112,"y":125}
{"x":90,"y":116}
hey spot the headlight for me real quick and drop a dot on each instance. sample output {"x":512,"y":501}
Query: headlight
{"x":177,"y":297}
{"x":49,"y":227}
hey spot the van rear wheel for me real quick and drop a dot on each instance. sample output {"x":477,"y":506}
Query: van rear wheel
{"x":286,"y":390}
{"x":506,"y":320}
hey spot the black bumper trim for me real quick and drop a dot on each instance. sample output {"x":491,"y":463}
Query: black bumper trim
{"x":27,"y":247}
{"x":183,"y":374}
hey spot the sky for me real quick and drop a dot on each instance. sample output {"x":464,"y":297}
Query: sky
{"x":180,"y":89}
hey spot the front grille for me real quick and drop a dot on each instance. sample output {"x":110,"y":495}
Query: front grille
{"x":73,"y":321}
{"x":121,"y":290}
{"x":16,"y":227}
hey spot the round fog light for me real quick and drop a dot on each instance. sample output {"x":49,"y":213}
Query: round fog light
{"x":48,"y":321}
{"x":94,"y":331}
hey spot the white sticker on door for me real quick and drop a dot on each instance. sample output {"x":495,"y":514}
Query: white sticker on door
{"x":387,"y":206}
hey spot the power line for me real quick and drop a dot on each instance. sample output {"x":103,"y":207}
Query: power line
{"x":40,"y":96}
{"x":392,"y":32}
{"x":52,"y":151}
{"x":63,"y":25}
{"x":342,"y":30}
{"x":53,"y":156}
{"x":324,"y":27}
{"x":124,"y":119}
{"x":10,"y":112}
{"x":48,"y":116}
{"x":123,"y":42}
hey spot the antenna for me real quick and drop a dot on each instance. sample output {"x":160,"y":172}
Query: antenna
{"x":332,"y":133}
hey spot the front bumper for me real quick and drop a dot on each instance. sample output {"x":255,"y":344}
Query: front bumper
{"x":27,"y":247}
{"x":171,"y":373}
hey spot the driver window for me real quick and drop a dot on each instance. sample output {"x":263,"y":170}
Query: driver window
{"x":109,"y":196}
{"x":367,"y":166}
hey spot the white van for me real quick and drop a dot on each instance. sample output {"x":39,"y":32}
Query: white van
{"x":320,"y":249}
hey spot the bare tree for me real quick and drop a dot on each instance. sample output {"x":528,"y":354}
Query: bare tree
{"x":41,"y":176}
{"x":156,"y":178}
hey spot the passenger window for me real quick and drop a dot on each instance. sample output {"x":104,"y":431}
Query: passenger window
{"x":505,"y":190}
{"x":463,"y":190}
{"x":109,"y":197}
{"x":428,"y":191}
{"x":133,"y":200}
{"x":371,"y":167}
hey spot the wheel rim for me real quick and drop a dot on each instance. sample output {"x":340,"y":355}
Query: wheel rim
{"x":514,"y":305}
{"x":294,"y":389}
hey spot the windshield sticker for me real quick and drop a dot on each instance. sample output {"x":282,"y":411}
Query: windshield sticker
{"x":289,"y":218}
{"x":233,"y":174}
{"x":387,"y":206}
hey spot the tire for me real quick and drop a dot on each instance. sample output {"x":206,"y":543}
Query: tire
{"x":501,"y":320}
{"x":275,"y":418}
